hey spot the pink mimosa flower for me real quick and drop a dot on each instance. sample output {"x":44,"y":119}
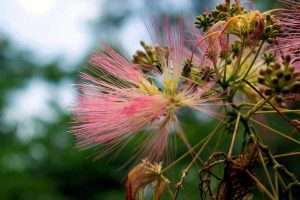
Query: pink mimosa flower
{"x":105,"y":117}
{"x":115,"y":64}
{"x":120,"y":100}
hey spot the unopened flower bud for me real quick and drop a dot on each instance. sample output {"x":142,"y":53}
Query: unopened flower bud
{"x":297,"y":74}
{"x":287,"y":77}
{"x":276,"y":66}
{"x":262,"y":72}
{"x":261,"y":80}
{"x":228,"y":61}
{"x":279,"y":74}
{"x":268,"y":71}
{"x":292,"y":69}
{"x":275,"y":81}
{"x":268,"y":92}
{"x":287,"y":59}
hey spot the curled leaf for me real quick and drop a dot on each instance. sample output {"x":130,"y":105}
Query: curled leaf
{"x":142,"y":175}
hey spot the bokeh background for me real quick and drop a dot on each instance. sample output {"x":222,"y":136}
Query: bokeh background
{"x":43,"y":46}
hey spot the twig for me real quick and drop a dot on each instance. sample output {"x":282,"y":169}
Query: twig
{"x":182,"y":136}
{"x":273,"y":111}
{"x":259,"y":105}
{"x":187,"y":169}
{"x":274,"y":107}
{"x":234,"y":135}
{"x":287,"y":154}
{"x":267,"y":174}
{"x":260,"y":185}
{"x":276,"y":131}
{"x":254,"y":59}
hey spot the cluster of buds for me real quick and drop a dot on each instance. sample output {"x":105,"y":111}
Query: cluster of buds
{"x":279,"y":79}
{"x":222,"y":13}
{"x":148,"y":57}
{"x":198,"y":74}
{"x":271,"y":29}
{"x":149,"y":60}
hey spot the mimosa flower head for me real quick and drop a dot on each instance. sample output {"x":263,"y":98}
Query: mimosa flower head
{"x":118,"y":99}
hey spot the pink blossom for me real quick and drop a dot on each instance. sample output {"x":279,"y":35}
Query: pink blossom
{"x":104,"y":117}
{"x":113,"y":63}
{"x":120,"y":100}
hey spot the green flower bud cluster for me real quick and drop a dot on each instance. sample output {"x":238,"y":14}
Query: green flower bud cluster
{"x":269,"y":58}
{"x":147,"y":58}
{"x":271,"y":29}
{"x":204,"y":21}
{"x":221,"y":13}
{"x":279,"y":79}
{"x":197,"y":74}
{"x":187,"y":68}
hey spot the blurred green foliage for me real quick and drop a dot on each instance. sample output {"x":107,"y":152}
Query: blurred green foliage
{"x":47,"y":166}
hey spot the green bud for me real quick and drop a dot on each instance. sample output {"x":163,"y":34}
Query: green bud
{"x":228,"y":61}
{"x":268,"y":18}
{"x":269,"y":58}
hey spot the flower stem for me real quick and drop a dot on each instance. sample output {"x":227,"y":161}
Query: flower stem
{"x":186,"y":170}
{"x":260,"y":185}
{"x":260,"y":104}
{"x":190,"y":150}
{"x":287,"y":155}
{"x":271,"y":104}
{"x":276,"y":131}
{"x":234,"y":135}
{"x":267,"y":174}
{"x":273,"y":111}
